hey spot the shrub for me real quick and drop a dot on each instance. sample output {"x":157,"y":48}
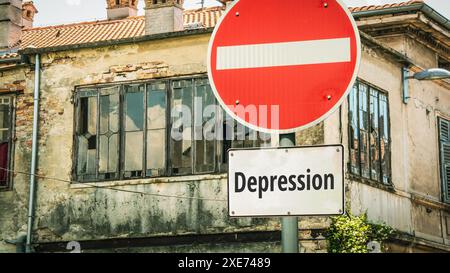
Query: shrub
{"x":352,"y":234}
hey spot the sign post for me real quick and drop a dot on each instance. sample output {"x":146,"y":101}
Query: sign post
{"x":289,"y":225}
{"x":279,"y":67}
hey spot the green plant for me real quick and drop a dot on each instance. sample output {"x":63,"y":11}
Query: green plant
{"x":352,"y":234}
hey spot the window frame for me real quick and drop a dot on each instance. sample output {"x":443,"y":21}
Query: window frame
{"x":11,"y":146}
{"x":379,"y":91}
{"x":218,"y":144}
{"x":445,"y":190}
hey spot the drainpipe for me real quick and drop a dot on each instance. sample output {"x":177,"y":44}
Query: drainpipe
{"x":37,"y":76}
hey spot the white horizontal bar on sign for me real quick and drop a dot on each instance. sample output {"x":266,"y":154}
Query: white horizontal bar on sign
{"x":284,"y":54}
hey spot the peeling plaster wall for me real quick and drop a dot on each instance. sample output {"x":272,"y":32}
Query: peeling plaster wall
{"x":67,"y":212}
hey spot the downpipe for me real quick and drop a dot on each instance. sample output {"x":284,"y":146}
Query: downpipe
{"x":32,"y":193}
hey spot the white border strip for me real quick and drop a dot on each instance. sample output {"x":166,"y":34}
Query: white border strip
{"x":284,"y":54}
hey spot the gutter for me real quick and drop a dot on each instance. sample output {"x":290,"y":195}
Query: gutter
{"x":427,"y":10}
{"x":14,"y":60}
{"x":32,"y":193}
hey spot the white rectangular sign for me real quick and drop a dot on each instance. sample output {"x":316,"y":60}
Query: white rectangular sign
{"x":298,"y":181}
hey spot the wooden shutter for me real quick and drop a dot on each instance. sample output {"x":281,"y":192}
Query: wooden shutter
{"x":444,"y":131}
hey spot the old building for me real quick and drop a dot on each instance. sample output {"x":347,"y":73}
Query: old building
{"x":108,"y":174}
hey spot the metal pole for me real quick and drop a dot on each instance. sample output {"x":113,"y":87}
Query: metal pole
{"x":289,"y":225}
{"x":37,"y":76}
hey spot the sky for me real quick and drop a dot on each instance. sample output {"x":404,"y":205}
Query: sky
{"x":53,"y":12}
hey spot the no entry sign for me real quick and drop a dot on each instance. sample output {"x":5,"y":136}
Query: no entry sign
{"x":291,"y":61}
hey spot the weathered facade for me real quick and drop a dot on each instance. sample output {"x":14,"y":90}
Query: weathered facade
{"x":164,"y":201}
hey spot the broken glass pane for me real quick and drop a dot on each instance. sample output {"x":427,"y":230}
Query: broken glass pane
{"x":384,"y":139}
{"x":354,"y":130}
{"x":205,"y":150}
{"x":364,"y":130}
{"x":181,"y":149}
{"x":374,"y":136}
{"x":86,"y":136}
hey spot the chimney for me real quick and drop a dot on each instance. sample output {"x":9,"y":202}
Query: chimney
{"x":10,"y":23}
{"x":162,"y":16}
{"x":28,"y":13}
{"x":226,"y":3}
{"x":120,"y":9}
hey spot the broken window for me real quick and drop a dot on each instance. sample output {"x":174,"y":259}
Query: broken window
{"x":205,"y":147}
{"x":5,"y":140}
{"x":238,"y":136}
{"x":87,"y":135}
{"x":122,"y":131}
{"x":181,"y":144}
{"x":369,"y":139}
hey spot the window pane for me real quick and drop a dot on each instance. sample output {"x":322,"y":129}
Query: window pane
{"x":156,"y":133}
{"x":134,"y":108}
{"x":87,"y":138}
{"x":374,"y":136}
{"x":236,"y":135}
{"x":134,"y":131}
{"x":354,"y":131}
{"x":364,"y":130}
{"x":109,"y":133}
{"x":108,"y":156}
{"x":181,"y":149}
{"x":205,"y":152}
{"x":5,"y":122}
{"x":384,"y":139}
{"x":134,"y":149}
{"x":156,"y":152}
{"x":156,"y":106}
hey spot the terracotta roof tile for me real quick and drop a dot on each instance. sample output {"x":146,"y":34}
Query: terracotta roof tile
{"x":89,"y":32}
{"x":386,"y":6}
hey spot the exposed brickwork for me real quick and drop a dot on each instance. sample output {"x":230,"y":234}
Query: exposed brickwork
{"x":141,"y":71}
{"x":311,"y":136}
{"x":24,"y":120}
{"x":14,"y":86}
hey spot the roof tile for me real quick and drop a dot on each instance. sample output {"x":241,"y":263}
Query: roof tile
{"x":96,"y":31}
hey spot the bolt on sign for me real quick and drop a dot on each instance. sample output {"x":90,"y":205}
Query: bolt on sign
{"x":280,"y":66}
{"x":300,"y":181}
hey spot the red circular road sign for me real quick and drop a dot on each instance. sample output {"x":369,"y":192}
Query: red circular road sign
{"x":294,"y":61}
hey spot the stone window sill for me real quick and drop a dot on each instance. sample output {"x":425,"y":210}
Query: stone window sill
{"x":375,"y":184}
